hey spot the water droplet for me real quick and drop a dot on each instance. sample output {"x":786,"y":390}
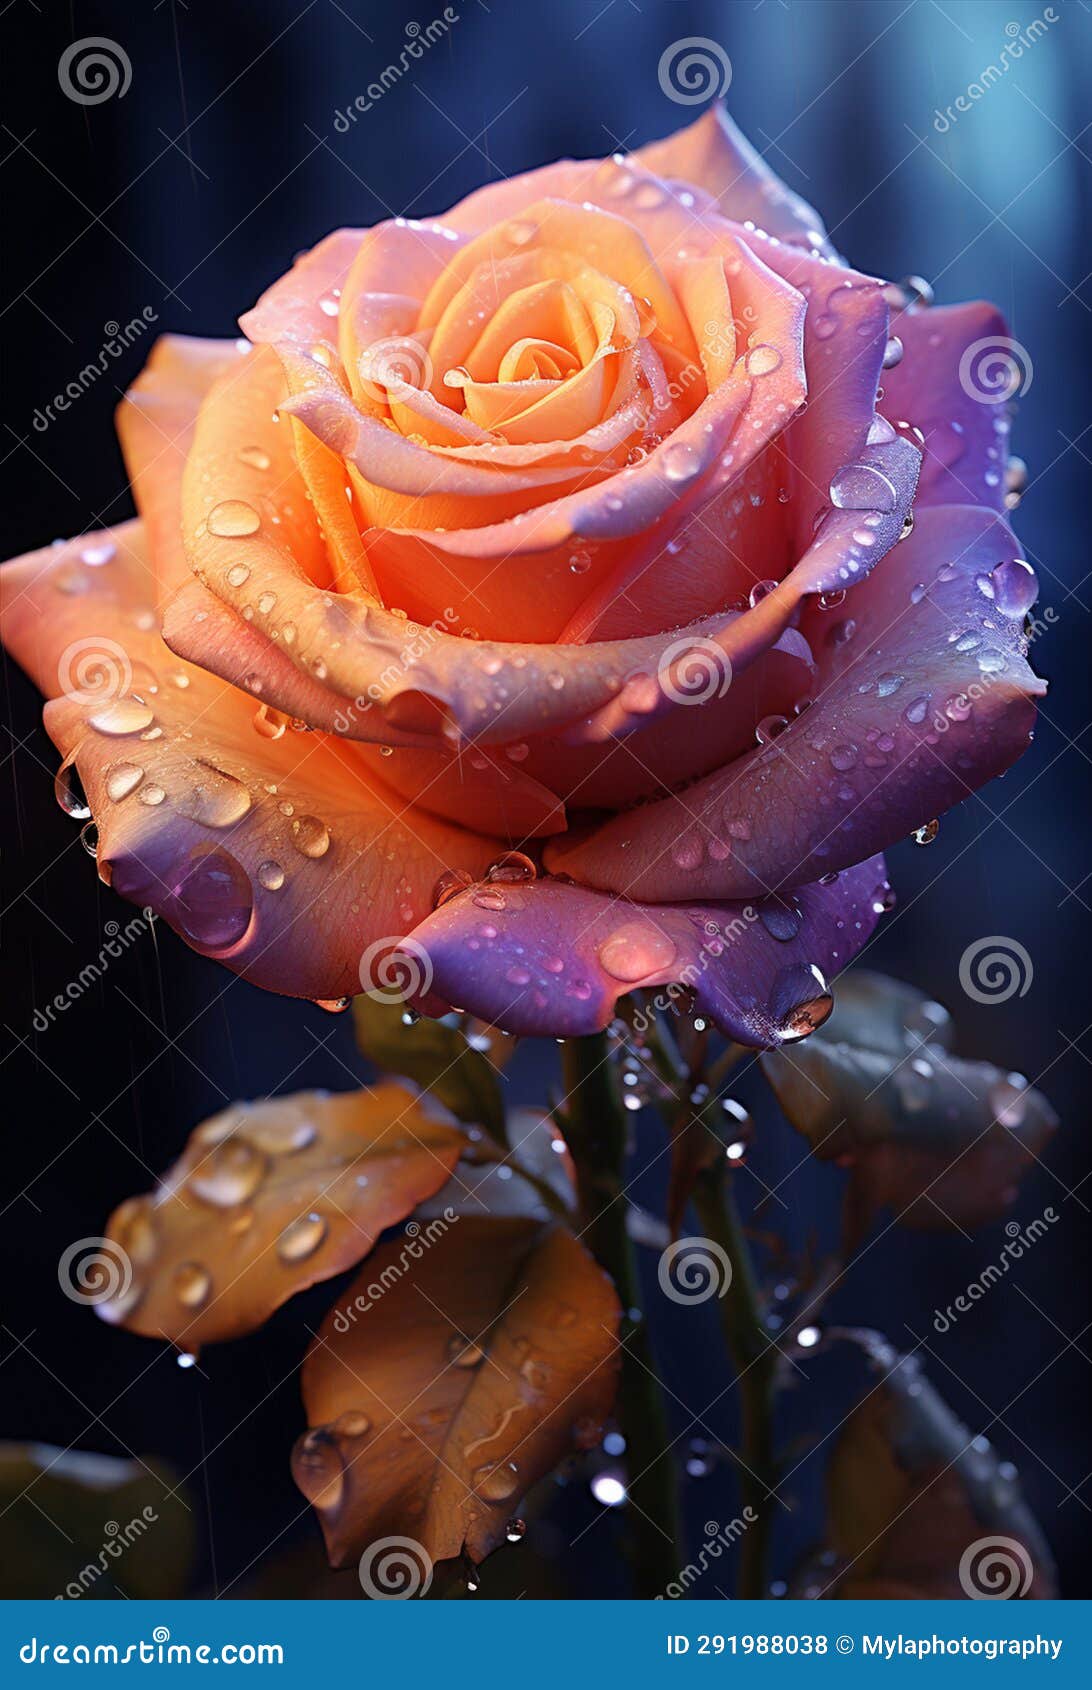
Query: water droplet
{"x":310,"y":836}
{"x":269,"y":723}
{"x":769,"y":728}
{"x":496,"y":1481}
{"x":271,"y":875}
{"x":760,"y":590}
{"x":233,"y":518}
{"x":104,"y":551}
{"x":515,"y":1530}
{"x":800,"y":1002}
{"x":860,"y":487}
{"x":192,"y":1284}
{"x":301,"y":1238}
{"x":1015,"y":587}
{"x":151,"y":794}
{"x":121,"y":779}
{"x":782,"y":920}
{"x":68,"y":790}
{"x":511,"y":868}
{"x":217,"y":799}
{"x":230,"y":1173}
{"x":213,"y":899}
{"x":463,"y":1352}
{"x":681,"y":461}
{"x":831,"y":600}
{"x":121,"y":716}
{"x":925,"y":834}
{"x":762,"y":360}
{"x":892,"y":353}
{"x":255,"y":458}
{"x":318,"y":1471}
{"x":280,"y":1137}
{"x":352,"y":1424}
{"x":450,"y":884}
{"x":635,"y":950}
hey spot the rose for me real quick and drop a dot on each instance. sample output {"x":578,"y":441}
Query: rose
{"x":572,"y":521}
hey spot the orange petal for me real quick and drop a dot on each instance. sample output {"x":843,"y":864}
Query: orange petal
{"x":268,"y":1198}
{"x":155,"y":423}
{"x":283,"y":857}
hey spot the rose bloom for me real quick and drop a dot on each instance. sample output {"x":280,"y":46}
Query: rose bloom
{"x":571,"y":594}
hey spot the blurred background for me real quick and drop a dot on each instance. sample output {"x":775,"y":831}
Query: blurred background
{"x":184,"y":199}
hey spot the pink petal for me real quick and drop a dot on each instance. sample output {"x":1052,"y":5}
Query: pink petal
{"x":549,"y":958}
{"x":923,"y":695}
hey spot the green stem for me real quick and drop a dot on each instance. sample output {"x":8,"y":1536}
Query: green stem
{"x":755,"y":1360}
{"x":595,"y":1129}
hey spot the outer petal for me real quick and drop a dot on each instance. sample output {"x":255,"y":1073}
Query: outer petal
{"x":958,"y":406}
{"x":548,"y":958}
{"x":285,"y":858}
{"x":713,"y":154}
{"x":155,"y":423}
{"x":924,"y":695}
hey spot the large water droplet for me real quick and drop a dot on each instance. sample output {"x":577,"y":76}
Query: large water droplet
{"x":217,"y":799}
{"x":68,"y":790}
{"x":800,"y":1002}
{"x":230,"y":1173}
{"x":860,"y":487}
{"x":192,"y":1284}
{"x":302,"y":1238}
{"x":121,"y":716}
{"x":497,"y":1481}
{"x":681,"y":461}
{"x":213,"y":898}
{"x":310,"y":836}
{"x":318,"y":1470}
{"x":1014,"y":587}
{"x":450,"y":884}
{"x":511,"y":868}
{"x":233,"y":518}
{"x":121,"y":779}
{"x":635,"y":950}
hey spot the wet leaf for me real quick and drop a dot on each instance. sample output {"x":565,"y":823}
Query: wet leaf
{"x":941,"y":1141}
{"x":78,"y":1525}
{"x":439,"y":1057}
{"x":880,"y":1013}
{"x":919,"y":1507}
{"x":448,"y":1381}
{"x":268,"y":1198}
{"x":534,"y":1179}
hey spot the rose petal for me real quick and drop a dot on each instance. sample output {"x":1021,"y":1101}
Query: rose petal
{"x":283,"y":857}
{"x":552,"y":958}
{"x":155,"y":423}
{"x":714,"y":155}
{"x":958,"y":406}
{"x":923,"y":694}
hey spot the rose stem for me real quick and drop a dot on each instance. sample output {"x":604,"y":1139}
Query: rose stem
{"x":595,"y":1130}
{"x":755,"y":1359}
{"x":753,"y":1355}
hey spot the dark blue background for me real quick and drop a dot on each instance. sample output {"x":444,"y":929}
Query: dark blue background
{"x":190,"y":195}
